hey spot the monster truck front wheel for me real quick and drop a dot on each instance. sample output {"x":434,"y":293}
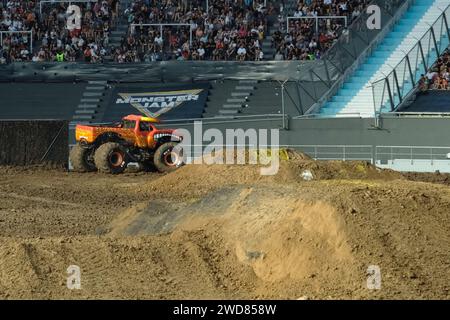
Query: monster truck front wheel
{"x":81,"y":159}
{"x":110,"y":158}
{"x":166,"y":159}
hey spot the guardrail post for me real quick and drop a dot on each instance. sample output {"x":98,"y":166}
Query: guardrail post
{"x":392,"y":154}
{"x":398,"y":86}
{"x":446,"y":24}
{"x":390,"y":94}
{"x":410,"y":71}
{"x":423,"y":57}
{"x":317,"y":25}
{"x":435,"y":42}
{"x":373,"y":154}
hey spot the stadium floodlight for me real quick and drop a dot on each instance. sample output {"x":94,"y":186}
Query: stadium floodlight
{"x":317,"y":18}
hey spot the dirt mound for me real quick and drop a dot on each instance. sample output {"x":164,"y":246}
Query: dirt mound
{"x":278,"y":235}
{"x":242,"y":234}
{"x":316,"y":239}
{"x":192,"y":181}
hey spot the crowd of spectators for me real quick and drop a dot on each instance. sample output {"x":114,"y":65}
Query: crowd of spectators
{"x":226,"y":30}
{"x":305,"y":40}
{"x":58,"y":31}
{"x":438,"y":78}
{"x":219,"y":30}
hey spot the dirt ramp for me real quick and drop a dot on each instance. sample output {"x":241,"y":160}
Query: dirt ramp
{"x":281,"y":237}
{"x":305,"y":242}
{"x":194,"y":181}
{"x":224,"y":232}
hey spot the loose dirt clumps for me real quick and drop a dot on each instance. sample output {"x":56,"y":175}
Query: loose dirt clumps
{"x":225,"y":232}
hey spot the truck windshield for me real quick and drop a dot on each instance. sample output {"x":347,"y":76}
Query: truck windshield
{"x":145,"y":126}
{"x":129,"y":124}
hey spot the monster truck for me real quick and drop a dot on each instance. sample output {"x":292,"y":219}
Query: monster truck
{"x":109,"y":148}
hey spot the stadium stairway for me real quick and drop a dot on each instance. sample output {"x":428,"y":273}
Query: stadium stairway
{"x":90,"y":102}
{"x":227,"y":98}
{"x":355,"y":98}
{"x":238,"y":98}
{"x":267,"y":48}
{"x":287,"y":10}
{"x":121,"y":30}
{"x":265,"y":99}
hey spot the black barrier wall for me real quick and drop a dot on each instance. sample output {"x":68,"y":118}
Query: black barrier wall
{"x":24,"y":142}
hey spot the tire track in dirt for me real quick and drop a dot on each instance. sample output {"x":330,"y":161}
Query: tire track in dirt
{"x":224,"y":232}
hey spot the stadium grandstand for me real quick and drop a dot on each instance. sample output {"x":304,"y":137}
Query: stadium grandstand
{"x":316,"y":69}
{"x":137,"y":31}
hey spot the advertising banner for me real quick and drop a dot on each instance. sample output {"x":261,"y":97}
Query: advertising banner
{"x":185,"y":102}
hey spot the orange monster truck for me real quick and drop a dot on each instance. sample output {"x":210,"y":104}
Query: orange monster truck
{"x":109,"y":148}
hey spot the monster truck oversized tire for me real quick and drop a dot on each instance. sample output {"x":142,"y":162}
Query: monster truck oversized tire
{"x":165,"y":160}
{"x":79,"y":158}
{"x":110,"y":158}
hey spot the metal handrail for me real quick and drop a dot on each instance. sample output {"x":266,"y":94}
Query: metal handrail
{"x":429,"y":32}
{"x":231,"y":117}
{"x":345,"y":18}
{"x":339,"y":83}
{"x":419,"y":41}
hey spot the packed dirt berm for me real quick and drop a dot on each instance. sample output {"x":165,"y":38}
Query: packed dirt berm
{"x":225,"y":232}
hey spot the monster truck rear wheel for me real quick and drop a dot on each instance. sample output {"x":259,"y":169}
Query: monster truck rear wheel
{"x":166,"y":159}
{"x":110,"y":158}
{"x":81,"y":159}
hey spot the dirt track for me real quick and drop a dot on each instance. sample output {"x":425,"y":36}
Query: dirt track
{"x":225,"y":232}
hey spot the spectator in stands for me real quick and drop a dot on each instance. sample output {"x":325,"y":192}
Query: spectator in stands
{"x":51,"y":33}
{"x":227,"y":30}
{"x":438,"y":78}
{"x":423,"y":84}
{"x":304,"y":41}
{"x":87,"y":42}
{"x":230,"y":30}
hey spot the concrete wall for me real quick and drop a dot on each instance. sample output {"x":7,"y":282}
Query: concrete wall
{"x":412,"y":131}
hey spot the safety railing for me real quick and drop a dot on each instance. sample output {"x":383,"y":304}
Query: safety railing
{"x":316,"y":21}
{"x":336,"y":152}
{"x":389,"y":154}
{"x":316,"y":152}
{"x":349,"y":52}
{"x":391,"y":91}
{"x":164,"y":29}
{"x":413,"y":158}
